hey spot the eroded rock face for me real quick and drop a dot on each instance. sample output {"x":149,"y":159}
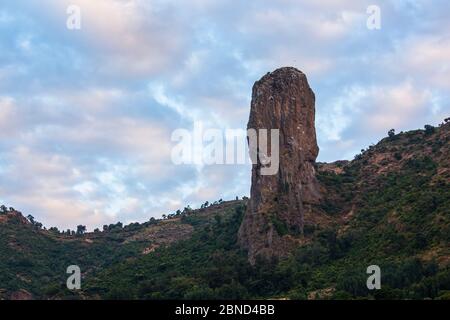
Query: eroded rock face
{"x":274,"y":220}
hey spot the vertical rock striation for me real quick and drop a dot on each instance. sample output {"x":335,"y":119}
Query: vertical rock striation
{"x":275,"y":215}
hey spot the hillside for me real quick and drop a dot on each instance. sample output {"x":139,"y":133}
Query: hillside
{"x":33,"y":260}
{"x":390,"y":206}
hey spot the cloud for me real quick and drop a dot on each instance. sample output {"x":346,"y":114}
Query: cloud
{"x":132,"y":38}
{"x":362,"y":115}
{"x":86,"y":116}
{"x":80,"y":158}
{"x":396,"y":107}
{"x":7,"y":110}
{"x":425,"y":56}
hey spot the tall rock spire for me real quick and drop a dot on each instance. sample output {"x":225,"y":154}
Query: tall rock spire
{"x":274,"y":219}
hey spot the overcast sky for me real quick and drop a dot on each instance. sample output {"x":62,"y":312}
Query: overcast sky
{"x":86,"y":116}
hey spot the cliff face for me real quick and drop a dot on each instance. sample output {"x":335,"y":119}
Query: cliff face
{"x":275,"y":215}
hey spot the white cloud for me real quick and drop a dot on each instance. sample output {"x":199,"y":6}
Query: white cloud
{"x":424,"y":56}
{"x":86,"y":116}
{"x":8,"y":120}
{"x":126,"y":37}
{"x":339,"y":114}
{"x":395,"y":107}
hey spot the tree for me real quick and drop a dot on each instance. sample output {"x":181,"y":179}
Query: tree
{"x":187,"y":209}
{"x":54,"y":230}
{"x":429,"y":129}
{"x":31,"y":219}
{"x":3,"y":209}
{"x":391,"y":133}
{"x":81,"y":229}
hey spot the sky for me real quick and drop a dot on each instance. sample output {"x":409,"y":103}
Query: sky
{"x":86,"y":115}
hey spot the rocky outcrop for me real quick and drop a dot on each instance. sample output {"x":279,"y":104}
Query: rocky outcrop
{"x":274,"y":219}
{"x":13,"y":215}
